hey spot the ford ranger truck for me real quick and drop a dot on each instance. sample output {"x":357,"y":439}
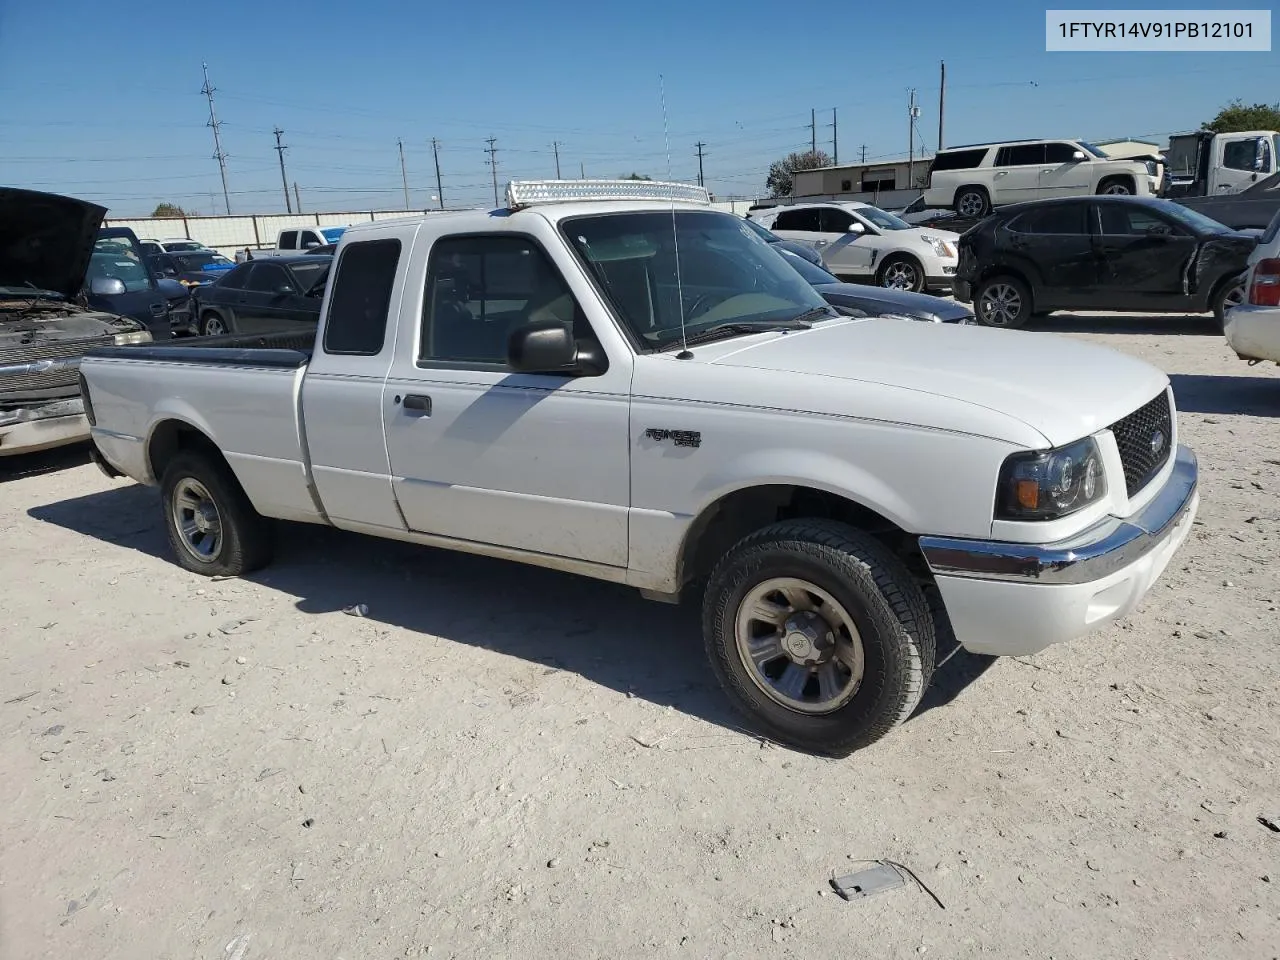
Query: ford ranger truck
{"x":615,"y":379}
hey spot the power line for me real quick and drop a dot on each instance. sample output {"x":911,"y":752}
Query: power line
{"x":218,"y":153}
{"x":280,"y":148}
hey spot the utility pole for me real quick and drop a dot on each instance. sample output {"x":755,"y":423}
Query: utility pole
{"x":911,"y":138}
{"x":813,"y":130}
{"x":942,"y":99}
{"x":582,"y":169}
{"x":218,"y":153}
{"x":555,"y":146}
{"x":864,"y":153}
{"x":297,"y":197}
{"x":835,"y":139}
{"x":700,"y":145}
{"x":284,"y":181}
{"x":435,"y":152}
{"x":492,"y":151}
{"x":404,"y":177}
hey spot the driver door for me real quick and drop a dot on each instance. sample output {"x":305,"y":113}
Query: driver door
{"x":847,"y":254}
{"x":1244,"y":160}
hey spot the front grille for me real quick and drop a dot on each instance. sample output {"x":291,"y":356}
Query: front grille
{"x":50,"y":383}
{"x":1145,"y":439}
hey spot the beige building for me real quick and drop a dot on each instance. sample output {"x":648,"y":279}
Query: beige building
{"x":884,"y":184}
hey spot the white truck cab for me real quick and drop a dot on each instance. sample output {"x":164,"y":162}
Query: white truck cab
{"x":614,"y":379}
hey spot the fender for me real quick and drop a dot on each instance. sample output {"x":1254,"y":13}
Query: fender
{"x":175,"y":409}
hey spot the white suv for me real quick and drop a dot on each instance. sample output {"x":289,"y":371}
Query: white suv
{"x":973,"y":179}
{"x":1253,"y":327}
{"x":864,"y":243}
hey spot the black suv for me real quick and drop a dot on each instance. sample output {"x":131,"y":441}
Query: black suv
{"x":1128,"y":254}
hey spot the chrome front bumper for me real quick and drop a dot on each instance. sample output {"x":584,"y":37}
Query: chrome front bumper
{"x":1104,"y":549}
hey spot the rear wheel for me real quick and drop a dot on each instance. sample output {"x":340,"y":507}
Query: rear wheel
{"x":818,"y":633}
{"x":1003,"y":302}
{"x":212,"y":526}
{"x":972,"y":202}
{"x":1231,"y":295}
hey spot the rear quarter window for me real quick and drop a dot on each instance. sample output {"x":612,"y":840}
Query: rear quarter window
{"x":958,"y":159}
{"x":361,"y":298}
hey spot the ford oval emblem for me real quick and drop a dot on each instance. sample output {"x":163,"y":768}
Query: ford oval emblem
{"x":1157,"y":442}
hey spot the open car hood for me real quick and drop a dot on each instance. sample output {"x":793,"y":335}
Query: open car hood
{"x":47,"y":240}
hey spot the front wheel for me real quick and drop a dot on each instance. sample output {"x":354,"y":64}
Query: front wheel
{"x":972,"y":203}
{"x":819,"y":634}
{"x":1116,"y":187}
{"x":213,"y":528}
{"x":1003,"y":302}
{"x":212,"y":324}
{"x":900,"y":273}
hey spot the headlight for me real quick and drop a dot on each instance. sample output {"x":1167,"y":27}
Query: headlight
{"x":128,"y":339}
{"x":940,"y":247}
{"x":1046,"y":485}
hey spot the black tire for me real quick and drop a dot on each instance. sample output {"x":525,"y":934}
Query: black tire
{"x":973,"y":203}
{"x":244,"y":543}
{"x":1117,"y":186}
{"x":894,"y":626}
{"x":900,"y":265}
{"x":210,"y":318}
{"x":1227,"y":295}
{"x":1014,"y":289}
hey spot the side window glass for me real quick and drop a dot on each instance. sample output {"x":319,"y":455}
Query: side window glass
{"x":833,"y":220}
{"x":1058,"y":219}
{"x":481,"y":289}
{"x":1058,"y":153}
{"x":1119,"y":221}
{"x":266,"y":278}
{"x":806,"y":219}
{"x":289,"y":240}
{"x":1021,"y":155}
{"x":361,"y":298}
{"x":235,"y":278}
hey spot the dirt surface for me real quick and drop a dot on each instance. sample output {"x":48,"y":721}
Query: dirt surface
{"x":505,"y":762}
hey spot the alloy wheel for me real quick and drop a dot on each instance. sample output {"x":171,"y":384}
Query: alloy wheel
{"x":1001,"y":305}
{"x":196,"y":518}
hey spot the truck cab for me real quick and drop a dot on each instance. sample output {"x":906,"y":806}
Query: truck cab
{"x":1208,"y":164}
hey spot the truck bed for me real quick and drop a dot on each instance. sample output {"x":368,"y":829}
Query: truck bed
{"x":245,"y":397}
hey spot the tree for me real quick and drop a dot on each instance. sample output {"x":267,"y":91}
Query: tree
{"x":171,"y":210}
{"x":782,"y":172}
{"x":636,"y":176}
{"x":1236,"y":116}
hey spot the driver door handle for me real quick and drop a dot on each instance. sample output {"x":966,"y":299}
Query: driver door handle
{"x":418,"y":402}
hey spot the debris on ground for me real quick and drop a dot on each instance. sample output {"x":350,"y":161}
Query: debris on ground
{"x":867,"y":883}
{"x":237,"y":626}
{"x":1271,"y":822}
{"x":357,"y":610}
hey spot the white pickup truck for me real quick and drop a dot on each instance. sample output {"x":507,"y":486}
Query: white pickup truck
{"x":296,"y":240}
{"x":614,"y":379}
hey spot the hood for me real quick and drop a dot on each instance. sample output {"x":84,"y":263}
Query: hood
{"x":47,"y":240}
{"x":1063,"y":389}
{"x":885,"y":300}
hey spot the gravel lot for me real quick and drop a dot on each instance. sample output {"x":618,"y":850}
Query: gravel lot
{"x":507,"y":762}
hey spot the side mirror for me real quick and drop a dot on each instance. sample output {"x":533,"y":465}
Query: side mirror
{"x":547,"y":346}
{"x":284,"y":289}
{"x":309,"y":244}
{"x":106,"y":287}
{"x":1078,"y":155}
{"x":857,"y":227}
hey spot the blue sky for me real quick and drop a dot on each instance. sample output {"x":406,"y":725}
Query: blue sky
{"x":102,"y":100}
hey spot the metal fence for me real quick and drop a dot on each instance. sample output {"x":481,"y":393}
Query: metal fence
{"x":229,"y":234}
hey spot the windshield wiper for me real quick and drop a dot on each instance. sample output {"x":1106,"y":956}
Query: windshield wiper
{"x":824,"y":312}
{"x":720,"y":331}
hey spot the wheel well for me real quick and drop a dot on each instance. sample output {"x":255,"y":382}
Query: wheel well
{"x":1112,"y":178}
{"x":971,"y":186}
{"x":1223,"y":284}
{"x":742,"y":512}
{"x":173,"y":437}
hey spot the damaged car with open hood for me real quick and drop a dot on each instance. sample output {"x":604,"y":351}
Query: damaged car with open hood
{"x":46,"y":326}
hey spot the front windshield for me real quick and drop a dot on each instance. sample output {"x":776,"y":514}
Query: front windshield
{"x":182,"y":246}
{"x":1090,"y":148}
{"x":1192,"y":218}
{"x":120,"y":266}
{"x":764,"y":234}
{"x":880,"y":219}
{"x":811,"y":272}
{"x":726,"y":273}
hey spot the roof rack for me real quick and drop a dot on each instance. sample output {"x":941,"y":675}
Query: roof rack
{"x":524,"y":193}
